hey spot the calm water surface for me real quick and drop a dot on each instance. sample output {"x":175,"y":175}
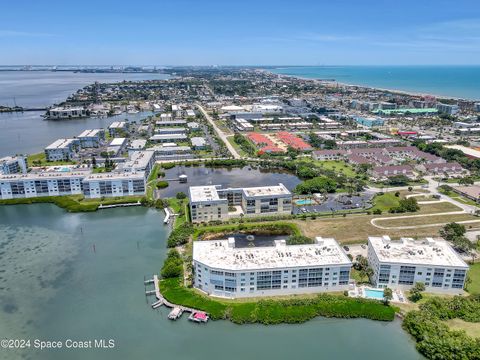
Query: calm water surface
{"x":45,"y":88}
{"x":54,"y":286}
{"x":28,"y":132}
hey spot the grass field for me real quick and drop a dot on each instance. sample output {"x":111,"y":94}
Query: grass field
{"x":237,"y":147}
{"x":424,"y":220}
{"x":388,"y":200}
{"x":40,"y":160}
{"x":474,"y":275}
{"x":357,"y":228}
{"x":472,"y":329}
{"x":337,"y":166}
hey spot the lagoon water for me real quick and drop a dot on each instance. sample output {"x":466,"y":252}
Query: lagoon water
{"x":45,"y":88}
{"x":54,"y":286}
{"x":454,"y":81}
{"x":28,"y":132}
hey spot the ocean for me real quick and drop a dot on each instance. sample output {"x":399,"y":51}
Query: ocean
{"x":444,"y":81}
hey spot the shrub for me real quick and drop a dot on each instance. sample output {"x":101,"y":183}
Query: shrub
{"x":298,"y":240}
{"x":180,"y":235}
{"x":168,"y":165}
{"x":162,"y":184}
{"x":181,"y":195}
{"x":173,"y":265}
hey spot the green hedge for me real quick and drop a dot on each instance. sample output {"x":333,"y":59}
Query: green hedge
{"x":179,"y":235}
{"x":71,"y":203}
{"x":277,"y":311}
{"x":277,"y":228}
{"x":434,"y":338}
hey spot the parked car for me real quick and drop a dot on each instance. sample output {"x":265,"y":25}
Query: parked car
{"x":346,"y":248}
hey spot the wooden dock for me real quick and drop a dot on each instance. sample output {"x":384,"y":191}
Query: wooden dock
{"x":177,"y":310}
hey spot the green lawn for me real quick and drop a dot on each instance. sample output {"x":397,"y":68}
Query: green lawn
{"x":293,"y":309}
{"x":474,"y":275}
{"x":73,"y":203}
{"x":385,"y":201}
{"x":41,"y":160}
{"x":337,"y":166}
{"x":152,"y":181}
{"x":236,"y":146}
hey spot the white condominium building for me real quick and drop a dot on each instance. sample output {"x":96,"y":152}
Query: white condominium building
{"x":402,"y":263}
{"x":223,"y":268}
{"x":66,"y":113}
{"x":15,"y":186}
{"x":117,"y":128}
{"x":62,"y":149}
{"x":91,"y":138}
{"x":140,"y":161}
{"x":211,"y":203}
{"x":13,"y":165}
{"x":114,"y":184}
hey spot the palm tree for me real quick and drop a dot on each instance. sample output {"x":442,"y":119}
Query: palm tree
{"x":387,"y":295}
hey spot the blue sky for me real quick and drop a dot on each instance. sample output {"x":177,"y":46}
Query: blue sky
{"x":340,"y":32}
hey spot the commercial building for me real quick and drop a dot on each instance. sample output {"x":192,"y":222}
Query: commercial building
{"x":15,"y":186}
{"x":66,"y":113}
{"x":62,"y":149}
{"x":114,"y":184}
{"x":91,"y":138}
{"x":447,"y":108}
{"x":402,"y":263}
{"x":229,"y":269}
{"x":211,"y":203}
{"x":198,"y":143}
{"x":369,"y":122}
{"x":13,"y":165}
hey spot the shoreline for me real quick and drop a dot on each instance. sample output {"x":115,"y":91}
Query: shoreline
{"x":368,"y":87}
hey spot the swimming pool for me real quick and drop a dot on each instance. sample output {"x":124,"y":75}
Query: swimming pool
{"x":373,"y":294}
{"x":304,"y":202}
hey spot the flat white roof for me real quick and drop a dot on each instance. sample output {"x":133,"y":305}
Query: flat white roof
{"x":139,"y":160}
{"x":138,"y":144}
{"x":116,"y":176}
{"x":222,"y":254}
{"x":117,"y":125}
{"x":409,"y":251}
{"x":44,"y":175}
{"x":60,"y":144}
{"x":204,"y":193}
{"x":275,"y":190}
{"x":168,"y":136}
{"x":90,"y":133}
{"x":117,"y":142}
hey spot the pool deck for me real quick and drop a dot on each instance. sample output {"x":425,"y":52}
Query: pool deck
{"x":359,"y":291}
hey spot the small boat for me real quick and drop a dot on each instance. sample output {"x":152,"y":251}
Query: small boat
{"x":175,"y":313}
{"x":199,"y":317}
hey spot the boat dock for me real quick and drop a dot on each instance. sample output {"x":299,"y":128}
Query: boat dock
{"x":119,"y":205}
{"x":177,"y":310}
